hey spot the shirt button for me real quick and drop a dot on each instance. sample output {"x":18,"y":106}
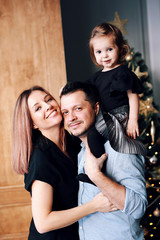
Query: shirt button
{"x":80,"y":227}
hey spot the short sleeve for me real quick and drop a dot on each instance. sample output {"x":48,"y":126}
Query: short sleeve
{"x":93,"y":78}
{"x":41,"y":168}
{"x":124,"y":80}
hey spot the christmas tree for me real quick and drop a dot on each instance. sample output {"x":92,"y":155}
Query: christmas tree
{"x":149,"y":125}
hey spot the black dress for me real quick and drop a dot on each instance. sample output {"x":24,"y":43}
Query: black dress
{"x":112,"y":86}
{"x":50,"y":165}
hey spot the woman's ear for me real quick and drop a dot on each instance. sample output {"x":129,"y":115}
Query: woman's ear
{"x":34,"y":126}
{"x":97,"y":108}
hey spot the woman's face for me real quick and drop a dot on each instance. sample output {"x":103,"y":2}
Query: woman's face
{"x":44,"y":110}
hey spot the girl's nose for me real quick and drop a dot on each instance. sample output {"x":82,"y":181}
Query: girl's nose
{"x":105,"y":54}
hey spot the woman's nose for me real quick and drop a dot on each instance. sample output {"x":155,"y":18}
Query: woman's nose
{"x":48,"y":106}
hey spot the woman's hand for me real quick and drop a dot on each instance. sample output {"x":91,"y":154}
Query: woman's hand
{"x":102,"y":204}
{"x":93,"y":164}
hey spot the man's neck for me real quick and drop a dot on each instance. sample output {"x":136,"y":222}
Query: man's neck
{"x":84,"y":140}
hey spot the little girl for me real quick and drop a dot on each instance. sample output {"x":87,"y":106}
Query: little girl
{"x":118,"y":90}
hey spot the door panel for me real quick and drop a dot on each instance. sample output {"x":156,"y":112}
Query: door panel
{"x":31,"y":53}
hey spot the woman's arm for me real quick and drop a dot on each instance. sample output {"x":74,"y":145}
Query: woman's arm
{"x":46,"y":220}
{"x":132,"y":128}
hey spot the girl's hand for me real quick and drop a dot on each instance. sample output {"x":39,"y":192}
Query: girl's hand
{"x":132,"y":128}
{"x":102,"y":204}
{"x":93,"y":164}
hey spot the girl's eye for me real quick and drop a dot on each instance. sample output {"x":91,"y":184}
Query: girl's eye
{"x":109,"y":49}
{"x":98,"y":52}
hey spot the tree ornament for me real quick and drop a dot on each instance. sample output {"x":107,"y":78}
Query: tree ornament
{"x":149,"y":85}
{"x":153,"y":159}
{"x":146,"y":107}
{"x":146,"y":231}
{"x":152,"y":131}
{"x":120,"y":23}
{"x":148,"y":185}
{"x":138,"y":73}
{"x":156,"y":212}
{"x":128,"y":57}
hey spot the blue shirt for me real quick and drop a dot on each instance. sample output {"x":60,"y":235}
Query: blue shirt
{"x":127,"y":170}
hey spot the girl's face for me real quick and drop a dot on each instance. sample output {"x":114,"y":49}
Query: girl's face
{"x":44,"y":110}
{"x":106,"y":52}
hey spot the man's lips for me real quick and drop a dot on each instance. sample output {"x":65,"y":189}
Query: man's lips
{"x":74,"y":124}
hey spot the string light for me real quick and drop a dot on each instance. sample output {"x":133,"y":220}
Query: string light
{"x":149,"y":135}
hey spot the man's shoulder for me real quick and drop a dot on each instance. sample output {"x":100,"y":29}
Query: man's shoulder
{"x":120,"y":155}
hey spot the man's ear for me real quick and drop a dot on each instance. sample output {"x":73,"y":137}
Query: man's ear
{"x":97,"y":108}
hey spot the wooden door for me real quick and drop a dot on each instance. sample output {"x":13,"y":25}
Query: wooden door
{"x":31,"y":53}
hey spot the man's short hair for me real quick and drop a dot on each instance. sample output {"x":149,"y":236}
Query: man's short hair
{"x":90,"y":91}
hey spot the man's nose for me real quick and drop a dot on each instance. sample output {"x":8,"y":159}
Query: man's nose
{"x":72,"y":116}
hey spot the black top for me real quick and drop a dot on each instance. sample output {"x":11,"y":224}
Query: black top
{"x":50,"y":165}
{"x":113,"y":85}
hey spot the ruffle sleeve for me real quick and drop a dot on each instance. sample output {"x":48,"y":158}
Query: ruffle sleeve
{"x":41,"y":168}
{"x":124,"y":80}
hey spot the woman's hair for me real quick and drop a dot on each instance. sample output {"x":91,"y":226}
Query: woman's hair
{"x":105,"y":29}
{"x":23,"y":132}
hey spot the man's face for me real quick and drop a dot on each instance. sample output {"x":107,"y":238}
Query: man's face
{"x":78,"y":113}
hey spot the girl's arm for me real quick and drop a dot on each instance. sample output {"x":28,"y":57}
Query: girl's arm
{"x":46,"y":220}
{"x":132,"y":128}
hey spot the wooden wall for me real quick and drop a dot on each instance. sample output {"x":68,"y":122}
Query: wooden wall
{"x":31,"y":53}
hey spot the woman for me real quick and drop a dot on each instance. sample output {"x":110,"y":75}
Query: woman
{"x":41,"y":152}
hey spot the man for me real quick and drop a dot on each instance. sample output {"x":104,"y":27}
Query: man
{"x":123,"y":181}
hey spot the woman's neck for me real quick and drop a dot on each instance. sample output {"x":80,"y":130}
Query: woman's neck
{"x":54,"y":135}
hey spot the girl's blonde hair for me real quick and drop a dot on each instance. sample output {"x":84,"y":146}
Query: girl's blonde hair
{"x":105,"y":29}
{"x":23,"y":132}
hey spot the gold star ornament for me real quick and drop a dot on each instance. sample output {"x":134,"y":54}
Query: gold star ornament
{"x":138,"y":73}
{"x":120,"y":23}
{"x":146,"y":107}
